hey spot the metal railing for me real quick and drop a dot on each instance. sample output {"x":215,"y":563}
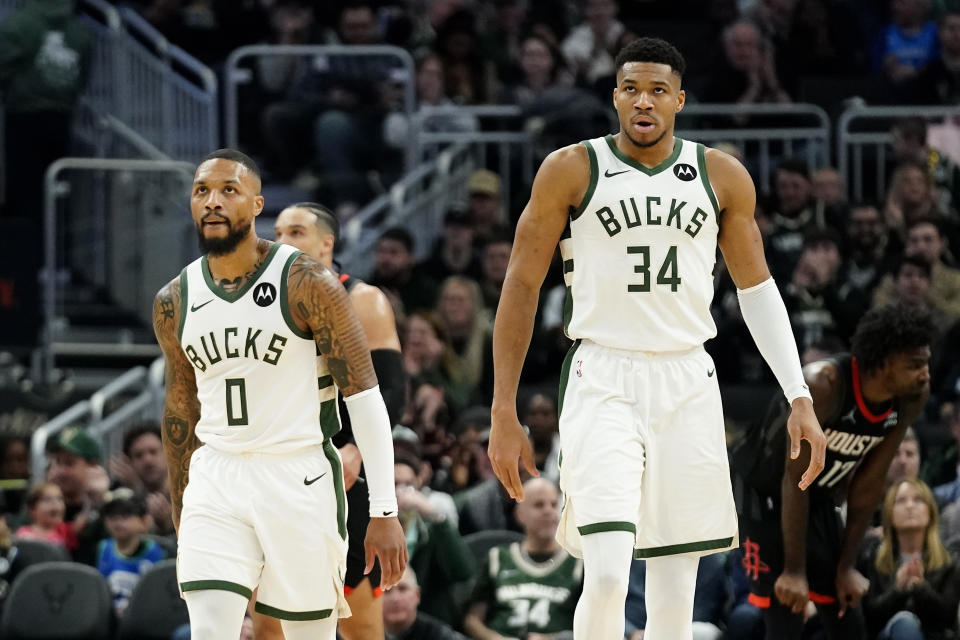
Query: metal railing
{"x":422,"y":193}
{"x":128,"y":256}
{"x":135,"y":395}
{"x":863,"y":133}
{"x":323,"y":57}
{"x":761,"y":146}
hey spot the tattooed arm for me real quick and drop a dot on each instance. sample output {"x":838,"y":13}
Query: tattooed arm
{"x":181,"y":410}
{"x":322,"y":307}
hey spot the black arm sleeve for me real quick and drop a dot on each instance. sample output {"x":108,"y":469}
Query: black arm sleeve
{"x":388,"y":365}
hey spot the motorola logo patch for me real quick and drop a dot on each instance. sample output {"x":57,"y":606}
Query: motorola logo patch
{"x":264,"y":294}
{"x":684,"y":172}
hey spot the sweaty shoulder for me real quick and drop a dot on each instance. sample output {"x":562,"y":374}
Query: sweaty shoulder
{"x":564,"y":175}
{"x":731,"y":181}
{"x":823,"y":378}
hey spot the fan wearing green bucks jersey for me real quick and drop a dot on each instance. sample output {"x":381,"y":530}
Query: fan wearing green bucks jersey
{"x":528,"y":589}
{"x":255,"y":482}
{"x":639,"y":216}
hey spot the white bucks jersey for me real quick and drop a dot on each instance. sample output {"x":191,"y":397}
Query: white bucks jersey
{"x":639,"y":251}
{"x":257,"y":372}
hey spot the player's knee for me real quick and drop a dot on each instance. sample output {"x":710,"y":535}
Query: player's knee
{"x":608,"y":583}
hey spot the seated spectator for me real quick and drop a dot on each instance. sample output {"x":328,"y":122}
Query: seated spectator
{"x":907,"y":43}
{"x":469,"y":326}
{"x":470,"y":78}
{"x":829,"y":193}
{"x":792,"y":213}
{"x":127,"y":554}
{"x":747,"y":73}
{"x":942,"y":469}
{"x":925,"y":241}
{"x":485,"y":204}
{"x":914,"y":583}
{"x":402,"y":620}
{"x":15,"y":469}
{"x":905,"y":465}
{"x":494,"y":258}
{"x":869,"y":255}
{"x":453,"y":254}
{"x":911,"y":197}
{"x":811,"y":296}
{"x":530,"y":588}
{"x":909,"y":144}
{"x":591,"y":46}
{"x":435,"y":550}
{"x":713,"y":590}
{"x":396,"y":273}
{"x":539,"y":414}
{"x":75,"y":467}
{"x":939,"y":82}
{"x":142,"y":466}
{"x":45,"y":507}
{"x":465,"y":462}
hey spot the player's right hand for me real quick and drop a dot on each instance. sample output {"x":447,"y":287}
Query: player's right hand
{"x":792,"y":591}
{"x":508,"y":442}
{"x":803,"y":425}
{"x":385,"y":540}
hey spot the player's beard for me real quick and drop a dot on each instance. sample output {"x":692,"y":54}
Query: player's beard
{"x":225,"y":245}
{"x":644,"y":145}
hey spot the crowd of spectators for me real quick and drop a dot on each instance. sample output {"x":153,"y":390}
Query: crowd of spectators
{"x":336,"y":130}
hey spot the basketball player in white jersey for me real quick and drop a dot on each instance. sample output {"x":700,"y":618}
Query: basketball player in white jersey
{"x":643,"y":464}
{"x":264,"y":505}
{"x":314,"y":229}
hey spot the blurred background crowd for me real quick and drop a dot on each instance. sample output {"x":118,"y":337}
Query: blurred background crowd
{"x":338,"y":135}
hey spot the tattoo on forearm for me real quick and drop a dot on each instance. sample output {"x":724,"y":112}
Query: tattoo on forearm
{"x":326,"y":308}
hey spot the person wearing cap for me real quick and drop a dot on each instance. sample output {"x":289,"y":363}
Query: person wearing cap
{"x":128,"y":553}
{"x":486,"y":212}
{"x":314,"y":229}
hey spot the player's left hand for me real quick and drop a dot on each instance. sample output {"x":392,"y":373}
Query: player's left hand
{"x":385,"y":540}
{"x":803,"y":425}
{"x":851,"y":586}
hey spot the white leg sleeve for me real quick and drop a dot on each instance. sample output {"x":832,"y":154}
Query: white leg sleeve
{"x":606,"y":573}
{"x":325,"y":629}
{"x":671,"y":583}
{"x":215,"y":614}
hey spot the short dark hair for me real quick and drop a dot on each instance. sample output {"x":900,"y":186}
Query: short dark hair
{"x":133,"y":434}
{"x":865,"y":204}
{"x":915,"y":261}
{"x":794,"y":165}
{"x":236,"y":156}
{"x":818,"y":237}
{"x":913,"y":128}
{"x":399,"y":234}
{"x":888,"y":330}
{"x":652,"y":50}
{"x":934,"y":221}
{"x":325,"y":216}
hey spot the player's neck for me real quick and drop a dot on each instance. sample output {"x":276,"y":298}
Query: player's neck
{"x":240,"y":262}
{"x":651,"y":156}
{"x":873,"y":390}
{"x":910,"y":540}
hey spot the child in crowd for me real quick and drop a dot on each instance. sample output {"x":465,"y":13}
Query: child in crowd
{"x":46,"y":508}
{"x":128,"y":553}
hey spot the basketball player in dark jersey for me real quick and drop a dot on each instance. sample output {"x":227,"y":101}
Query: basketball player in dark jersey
{"x":795,"y":544}
{"x":314,"y":229}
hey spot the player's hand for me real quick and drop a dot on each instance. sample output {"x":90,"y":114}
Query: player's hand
{"x":350,"y":456}
{"x":385,"y":540}
{"x":792,"y":591}
{"x":803,"y":425}
{"x":851,"y":586}
{"x":508,"y":442}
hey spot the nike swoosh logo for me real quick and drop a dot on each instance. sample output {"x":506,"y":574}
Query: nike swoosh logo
{"x":607,"y":174}
{"x":387,"y":514}
{"x":310,"y":482}
{"x":195,"y":307}
{"x":710,"y":373}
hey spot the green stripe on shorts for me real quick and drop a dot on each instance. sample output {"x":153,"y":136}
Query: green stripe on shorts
{"x":334,"y":458}
{"x":674,"y":549}
{"x":297,"y":616}
{"x":219,"y":585}
{"x":600,"y":527}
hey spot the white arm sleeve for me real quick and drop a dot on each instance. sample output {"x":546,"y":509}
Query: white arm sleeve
{"x":766,"y":317}
{"x":371,"y":430}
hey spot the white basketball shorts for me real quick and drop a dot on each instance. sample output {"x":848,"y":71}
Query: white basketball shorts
{"x":268,"y":520}
{"x":643,"y":449}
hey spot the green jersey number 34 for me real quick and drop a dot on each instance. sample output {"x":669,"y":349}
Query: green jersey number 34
{"x":667,"y":275}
